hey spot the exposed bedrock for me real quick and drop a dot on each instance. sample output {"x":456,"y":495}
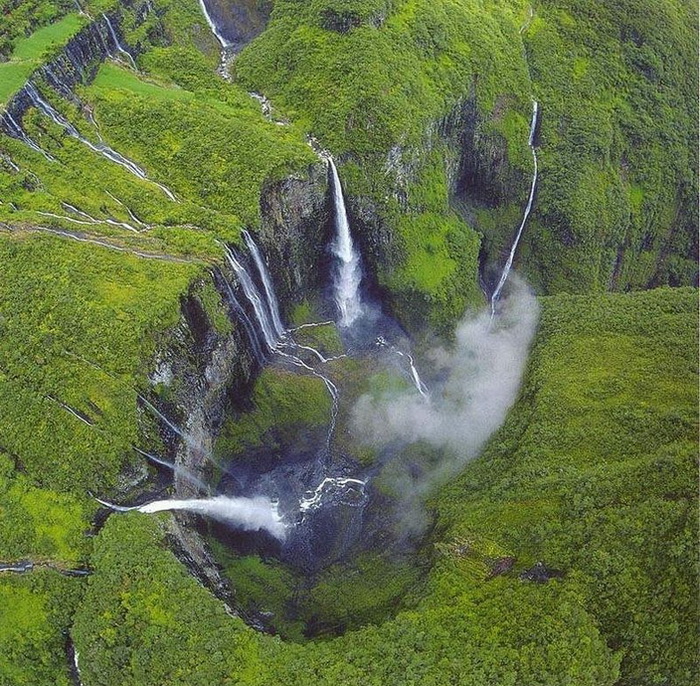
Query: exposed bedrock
{"x":205,"y":369}
{"x":240,"y":21}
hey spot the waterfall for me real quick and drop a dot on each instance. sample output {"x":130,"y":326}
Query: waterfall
{"x":117,"y":44}
{"x":224,"y":43}
{"x":262,"y":314}
{"x":249,"y":514}
{"x":15,"y":130}
{"x":349,"y":273}
{"x":274,"y":334}
{"x":509,"y":262}
{"x":176,"y":469}
{"x":415,"y":376}
{"x":247,"y":324}
{"x":267,"y":284}
{"x":112,"y":155}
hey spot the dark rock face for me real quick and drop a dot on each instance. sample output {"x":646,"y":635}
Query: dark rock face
{"x":239,"y":21}
{"x":297,"y":222}
{"x":501,"y":566}
{"x":206,"y":369}
{"x":540,"y":574}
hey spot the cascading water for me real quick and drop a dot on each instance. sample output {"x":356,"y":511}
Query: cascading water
{"x":247,"y":324}
{"x":344,"y":490}
{"x":509,"y":262}
{"x":415,"y":376}
{"x":14,"y":129}
{"x":248,"y":514}
{"x":101,"y":148}
{"x":267,"y":284}
{"x":262,"y":313}
{"x":117,"y":44}
{"x":349,"y":272}
{"x":275,"y":336}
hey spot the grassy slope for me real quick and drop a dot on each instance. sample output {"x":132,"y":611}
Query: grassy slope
{"x":79,"y":322}
{"x":28,"y":53}
{"x":21,"y":18}
{"x":593,"y":474}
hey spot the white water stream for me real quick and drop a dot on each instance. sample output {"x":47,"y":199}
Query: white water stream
{"x":101,"y":148}
{"x":349,"y":274}
{"x":249,"y":514}
{"x":509,"y":262}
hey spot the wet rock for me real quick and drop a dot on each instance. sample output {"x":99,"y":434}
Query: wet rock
{"x":501,"y":566}
{"x":540,"y":574}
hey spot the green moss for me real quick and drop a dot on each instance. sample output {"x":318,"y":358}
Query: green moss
{"x":282,"y":401}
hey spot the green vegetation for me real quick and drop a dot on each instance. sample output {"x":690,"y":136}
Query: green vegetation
{"x":284,"y":405}
{"x":372,"y":81}
{"x":426,"y":107}
{"x":76,"y":330}
{"x":592,"y":474}
{"x":617,"y":201}
{"x":21,"y":18}
{"x":35,"y":614}
{"x":29,"y":52}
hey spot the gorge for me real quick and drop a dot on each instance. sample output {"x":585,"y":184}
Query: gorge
{"x":347,"y":342}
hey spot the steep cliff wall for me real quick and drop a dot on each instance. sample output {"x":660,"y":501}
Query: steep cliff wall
{"x":78,"y":60}
{"x":203,"y":365}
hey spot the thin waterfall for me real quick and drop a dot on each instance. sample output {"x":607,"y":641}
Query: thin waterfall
{"x":509,"y":262}
{"x":176,"y":469}
{"x":349,"y":273}
{"x":15,"y":130}
{"x":275,"y":336}
{"x":112,"y":155}
{"x":214,"y":29}
{"x":415,"y":376}
{"x":267,"y":284}
{"x":117,"y":44}
{"x":262,"y":314}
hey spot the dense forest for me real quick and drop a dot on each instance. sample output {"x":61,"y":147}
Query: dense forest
{"x":470,"y":489}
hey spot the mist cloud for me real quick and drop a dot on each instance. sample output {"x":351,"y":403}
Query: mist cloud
{"x":482,"y":374}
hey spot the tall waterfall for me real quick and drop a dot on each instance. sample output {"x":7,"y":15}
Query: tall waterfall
{"x":509,"y":262}
{"x":262,"y":312}
{"x":349,"y":273}
{"x":267,"y":284}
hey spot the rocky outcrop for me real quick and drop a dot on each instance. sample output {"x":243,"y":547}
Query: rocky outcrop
{"x":240,"y":21}
{"x":200,"y":369}
{"x":79,"y":59}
